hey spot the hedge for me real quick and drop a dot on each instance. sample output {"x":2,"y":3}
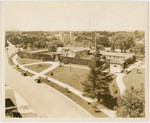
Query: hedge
{"x":70,"y":60}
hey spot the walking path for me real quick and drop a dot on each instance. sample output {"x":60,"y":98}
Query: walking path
{"x":108,"y":112}
{"x":119,"y":78}
{"x":120,"y":83}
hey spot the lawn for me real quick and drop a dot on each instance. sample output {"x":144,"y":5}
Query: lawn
{"x":10,"y":61}
{"x":38,"y":67}
{"x":26,"y":60}
{"x":134,"y":79}
{"x":84,"y":104}
{"x":70,"y":76}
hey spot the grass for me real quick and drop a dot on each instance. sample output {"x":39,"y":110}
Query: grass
{"x":76,"y":65}
{"x":38,"y":67}
{"x":26,"y":60}
{"x":10,"y":61}
{"x":21,"y":71}
{"x":72,"y":77}
{"x":134,"y":79}
{"x":84,"y":104}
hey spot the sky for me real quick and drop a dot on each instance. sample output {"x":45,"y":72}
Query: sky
{"x":75,"y":16}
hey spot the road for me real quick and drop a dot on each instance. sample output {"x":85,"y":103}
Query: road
{"x":46,"y":101}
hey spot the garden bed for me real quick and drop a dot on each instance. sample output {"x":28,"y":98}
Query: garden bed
{"x":84,"y":104}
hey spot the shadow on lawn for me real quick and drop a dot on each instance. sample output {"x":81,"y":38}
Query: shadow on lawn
{"x":110,"y":101}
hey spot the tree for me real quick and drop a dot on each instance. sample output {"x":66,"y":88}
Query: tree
{"x":132,"y":103}
{"x":124,"y":40}
{"x":52,"y":46}
{"x":139,"y":35}
{"x":139,"y":49}
{"x":97,"y":82}
{"x":103,"y":41}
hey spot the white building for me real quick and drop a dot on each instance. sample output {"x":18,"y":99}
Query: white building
{"x":117,"y":65}
{"x":74,"y":51}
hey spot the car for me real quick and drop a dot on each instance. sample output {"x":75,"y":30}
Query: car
{"x":24,"y":74}
{"x":38,"y":80}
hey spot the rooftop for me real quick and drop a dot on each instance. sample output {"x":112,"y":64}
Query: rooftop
{"x":117,"y":61}
{"x":76,"y":49}
{"x":125,"y":55}
{"x":38,"y":51}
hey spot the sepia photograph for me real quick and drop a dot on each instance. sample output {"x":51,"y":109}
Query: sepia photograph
{"x":75,"y":61}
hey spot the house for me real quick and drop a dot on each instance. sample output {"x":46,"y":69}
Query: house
{"x":74,"y":51}
{"x":117,"y":65}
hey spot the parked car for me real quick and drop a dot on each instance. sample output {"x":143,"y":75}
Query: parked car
{"x":38,"y":80}
{"x":24,"y":74}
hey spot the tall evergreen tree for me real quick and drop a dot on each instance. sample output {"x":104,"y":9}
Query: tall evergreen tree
{"x":97,"y":82}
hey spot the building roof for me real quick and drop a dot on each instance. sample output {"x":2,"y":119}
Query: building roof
{"x":117,"y":61}
{"x":125,"y":55}
{"x":76,"y":49}
{"x":38,"y":51}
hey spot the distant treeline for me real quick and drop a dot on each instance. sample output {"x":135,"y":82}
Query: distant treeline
{"x":123,"y":40}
